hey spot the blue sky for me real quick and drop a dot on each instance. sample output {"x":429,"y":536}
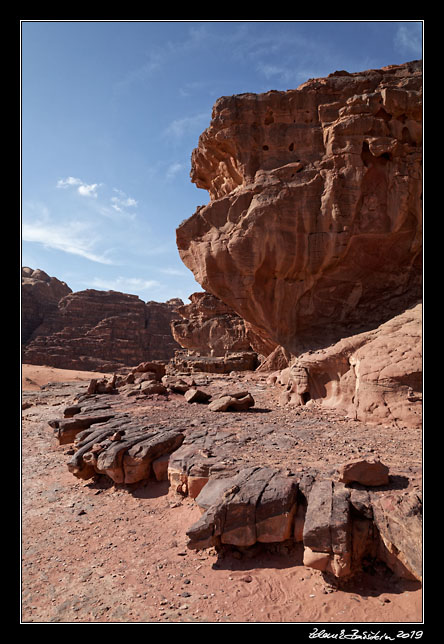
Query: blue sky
{"x":111,"y":111}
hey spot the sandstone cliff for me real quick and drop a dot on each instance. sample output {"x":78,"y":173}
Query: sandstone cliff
{"x":313,"y":232}
{"x":100,"y":330}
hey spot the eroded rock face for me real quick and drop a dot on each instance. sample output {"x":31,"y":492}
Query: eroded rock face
{"x":313,"y":231}
{"x":375,"y":375}
{"x":209,"y":327}
{"x":40,"y":297}
{"x":103,"y":330}
{"x":237,"y":361}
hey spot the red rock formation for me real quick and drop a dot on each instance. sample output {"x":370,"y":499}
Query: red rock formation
{"x":374,"y":376}
{"x":40,"y":296}
{"x":313,"y":230}
{"x":313,"y":233}
{"x":209,"y":326}
{"x":103,"y":330}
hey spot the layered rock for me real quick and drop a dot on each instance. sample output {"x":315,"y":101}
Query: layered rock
{"x":103,"y":330}
{"x":107,"y":441}
{"x":313,"y":232}
{"x":39,"y":299}
{"x":209,"y":327}
{"x":236,"y":361}
{"x":340,"y":526}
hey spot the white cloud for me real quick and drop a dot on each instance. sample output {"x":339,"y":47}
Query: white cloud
{"x":69,"y":181}
{"x":188,"y":124}
{"x":84,"y":189}
{"x":408,"y":39}
{"x":88,"y":190}
{"x":124,"y":284}
{"x":122,"y":201}
{"x":173,"y":271}
{"x":71,"y":237}
{"x":173,"y":169}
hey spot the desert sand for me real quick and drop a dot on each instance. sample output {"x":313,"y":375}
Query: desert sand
{"x":97,"y":552}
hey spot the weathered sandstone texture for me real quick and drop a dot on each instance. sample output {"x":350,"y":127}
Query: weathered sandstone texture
{"x":375,"y":375}
{"x":184,"y":363}
{"x":39,"y":298}
{"x":102,"y":330}
{"x":209,"y":327}
{"x":313,"y":232}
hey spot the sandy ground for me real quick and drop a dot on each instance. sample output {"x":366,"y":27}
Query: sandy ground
{"x":34,"y":376}
{"x":96,"y":552}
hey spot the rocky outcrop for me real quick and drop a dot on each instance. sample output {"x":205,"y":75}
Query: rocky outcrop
{"x":352,"y":514}
{"x":185,"y":363}
{"x":39,"y":299}
{"x":373,"y":376}
{"x":346,"y":516}
{"x":102,"y":330}
{"x":209,"y":327}
{"x":340,"y":526}
{"x":313,"y":233}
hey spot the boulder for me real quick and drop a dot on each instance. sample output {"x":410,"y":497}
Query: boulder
{"x":232,"y":403}
{"x":194,"y":395}
{"x":255,"y":505}
{"x":151,"y":387}
{"x":369,"y":472}
{"x":176,"y":384}
{"x":398,"y":518}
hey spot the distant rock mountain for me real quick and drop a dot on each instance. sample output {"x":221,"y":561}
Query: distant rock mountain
{"x":91,"y":329}
{"x":209,"y":327}
{"x":40,"y":297}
